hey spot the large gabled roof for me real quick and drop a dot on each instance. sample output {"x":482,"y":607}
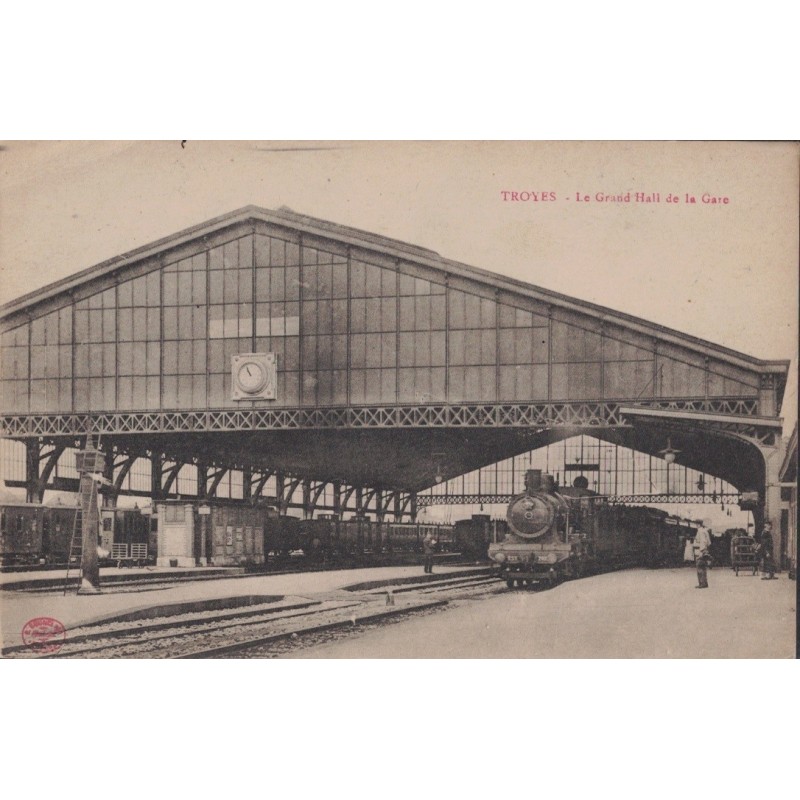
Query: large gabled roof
{"x":394,"y":248}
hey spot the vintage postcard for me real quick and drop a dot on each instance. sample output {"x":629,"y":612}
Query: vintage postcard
{"x":369,"y":400}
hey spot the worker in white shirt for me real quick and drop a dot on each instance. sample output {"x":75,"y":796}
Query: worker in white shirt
{"x":702,"y":556}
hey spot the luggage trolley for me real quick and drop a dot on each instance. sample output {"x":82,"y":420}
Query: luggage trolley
{"x":744,"y":554}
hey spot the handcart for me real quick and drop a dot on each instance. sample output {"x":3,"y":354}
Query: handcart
{"x":744,"y":554}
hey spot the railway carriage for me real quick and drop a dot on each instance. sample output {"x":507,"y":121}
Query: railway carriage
{"x":21,"y":528}
{"x":36,"y":533}
{"x":472,"y":537}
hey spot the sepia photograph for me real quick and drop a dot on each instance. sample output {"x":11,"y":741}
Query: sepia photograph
{"x":398,"y":400}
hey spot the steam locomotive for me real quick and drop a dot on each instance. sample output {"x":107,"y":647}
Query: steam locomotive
{"x":564,"y":532}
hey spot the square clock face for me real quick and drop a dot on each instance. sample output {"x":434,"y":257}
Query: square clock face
{"x":254,"y":376}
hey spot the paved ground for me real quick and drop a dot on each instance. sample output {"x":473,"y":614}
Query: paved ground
{"x":637,"y":613}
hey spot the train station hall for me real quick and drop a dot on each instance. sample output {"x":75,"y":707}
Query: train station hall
{"x":268,"y":360}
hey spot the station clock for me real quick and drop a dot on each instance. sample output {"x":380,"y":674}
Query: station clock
{"x":254,"y":376}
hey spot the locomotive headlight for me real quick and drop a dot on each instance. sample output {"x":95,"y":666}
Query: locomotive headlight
{"x":499,"y":556}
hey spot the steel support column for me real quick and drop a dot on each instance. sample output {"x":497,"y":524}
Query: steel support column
{"x":109,"y":491}
{"x":770,"y":511}
{"x":32,"y":491}
{"x":91,"y":461}
{"x":307,"y":510}
{"x":337,"y":499}
{"x":36,"y":476}
{"x":247,"y":483}
{"x":202,"y":480}
{"x":156,"y":475}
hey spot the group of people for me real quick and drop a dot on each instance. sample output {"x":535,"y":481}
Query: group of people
{"x":699,"y":551}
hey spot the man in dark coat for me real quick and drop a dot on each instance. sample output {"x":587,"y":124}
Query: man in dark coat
{"x":428,"y":546}
{"x":765,"y":551}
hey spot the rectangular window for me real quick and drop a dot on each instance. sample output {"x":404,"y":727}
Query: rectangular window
{"x":109,"y":359}
{"x":171,"y":324}
{"x":373,"y":314}
{"x":262,"y":251}
{"x":125,"y":358}
{"x":199,"y":288}
{"x":278,"y":253}
{"x":262,"y":284}
{"x":153,"y":358}
{"x":372,"y":287}
{"x":215,"y":287}
{"x":339,"y":277}
{"x":277,"y":284}
{"x":153,"y":282}
{"x":324,"y":317}
{"x":125,"y":318}
{"x":456,"y":309}
{"x":170,"y":288}
{"x":388,"y":349}
{"x":292,"y":283}
{"x":125,"y":294}
{"x":65,"y":361}
{"x":153,"y":329}
{"x":170,"y":358}
{"x":185,"y":291}
{"x":184,"y":314}
{"x":358,"y":350}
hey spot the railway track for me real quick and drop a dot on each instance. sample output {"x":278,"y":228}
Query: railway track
{"x":266,"y":630}
{"x":144,"y":582}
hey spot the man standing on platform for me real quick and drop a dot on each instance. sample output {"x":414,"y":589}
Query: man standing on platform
{"x":702,"y":556}
{"x":765,"y":551}
{"x":428,"y":547}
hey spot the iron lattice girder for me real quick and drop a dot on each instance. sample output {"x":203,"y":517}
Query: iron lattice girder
{"x":427,"y":500}
{"x":400,"y":416}
{"x":730,"y":498}
{"x":350,"y":444}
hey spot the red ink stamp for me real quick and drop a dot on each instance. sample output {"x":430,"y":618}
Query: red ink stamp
{"x":44,"y":635}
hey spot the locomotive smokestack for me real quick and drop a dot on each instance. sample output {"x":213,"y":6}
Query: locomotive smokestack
{"x":533,"y":480}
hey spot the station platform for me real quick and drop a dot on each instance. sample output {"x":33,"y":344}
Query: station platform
{"x":72,"y":610}
{"x":636,"y":613}
{"x":43,"y":578}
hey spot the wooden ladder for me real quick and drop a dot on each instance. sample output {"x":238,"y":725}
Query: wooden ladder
{"x":76,"y":540}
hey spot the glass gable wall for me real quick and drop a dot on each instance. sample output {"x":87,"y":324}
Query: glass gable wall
{"x":344,"y":330}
